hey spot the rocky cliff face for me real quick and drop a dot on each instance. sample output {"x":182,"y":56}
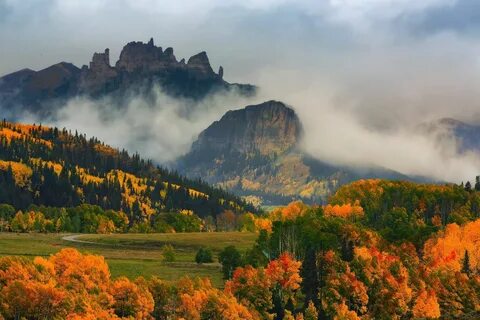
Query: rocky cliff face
{"x":99,"y":76}
{"x":141,"y":65}
{"x":255,"y":153}
{"x":266,"y":129}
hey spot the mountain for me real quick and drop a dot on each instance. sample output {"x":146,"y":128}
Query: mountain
{"x":465,"y":135}
{"x":50,"y":167}
{"x":140,"y":66}
{"x":254,"y":152}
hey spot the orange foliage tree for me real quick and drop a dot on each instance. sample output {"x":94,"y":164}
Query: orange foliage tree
{"x":426,"y":305}
{"x":253,"y":289}
{"x":346,"y":211}
{"x":388,"y":281}
{"x":131,"y":300}
{"x":447,"y":250}
{"x":267,"y":290}
{"x":68,"y":285}
{"x":292,"y":211}
{"x":199,"y":300}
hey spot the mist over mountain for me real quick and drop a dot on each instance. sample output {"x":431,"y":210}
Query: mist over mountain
{"x":149,"y":102}
{"x":257,"y":152}
{"x":464,"y":136}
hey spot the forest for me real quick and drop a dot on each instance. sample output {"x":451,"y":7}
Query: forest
{"x":45,"y":169}
{"x":379,"y":250}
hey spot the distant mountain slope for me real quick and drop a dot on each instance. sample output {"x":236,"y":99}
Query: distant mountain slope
{"x":465,"y":135}
{"x":51,"y":167}
{"x":140,"y":66}
{"x":255,"y":152}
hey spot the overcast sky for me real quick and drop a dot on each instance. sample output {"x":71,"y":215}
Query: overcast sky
{"x":360,"y":73}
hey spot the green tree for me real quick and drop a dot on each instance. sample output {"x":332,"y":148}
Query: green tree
{"x":230,"y":258}
{"x":466,"y":263}
{"x":468,"y":186}
{"x":7,"y":212}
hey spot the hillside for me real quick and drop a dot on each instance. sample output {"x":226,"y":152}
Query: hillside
{"x":51,"y":167}
{"x":464,"y":135}
{"x":140,"y":67}
{"x":403,"y":210}
{"x":255,"y":152}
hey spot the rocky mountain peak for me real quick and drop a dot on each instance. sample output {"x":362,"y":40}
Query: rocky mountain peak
{"x":140,"y":66}
{"x":100,"y":59}
{"x":101,"y":62}
{"x":266,"y":129}
{"x":139,"y":56}
{"x":200,"y":65}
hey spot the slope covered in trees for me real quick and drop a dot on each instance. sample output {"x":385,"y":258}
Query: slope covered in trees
{"x":49,"y":167}
{"x":410,"y":253}
{"x":309,"y":265}
{"x":402,"y":210}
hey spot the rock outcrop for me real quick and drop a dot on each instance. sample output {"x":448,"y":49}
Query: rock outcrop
{"x":145,"y":58}
{"x":265,"y":129}
{"x":200,"y":66}
{"x":100,"y":76}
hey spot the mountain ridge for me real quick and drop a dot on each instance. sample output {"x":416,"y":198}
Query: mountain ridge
{"x":140,"y":65}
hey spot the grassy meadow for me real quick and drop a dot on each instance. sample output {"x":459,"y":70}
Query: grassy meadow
{"x":134,"y":255}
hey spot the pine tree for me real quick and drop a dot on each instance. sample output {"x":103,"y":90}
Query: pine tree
{"x":466,"y":263}
{"x":309,"y":273}
{"x":468,"y":186}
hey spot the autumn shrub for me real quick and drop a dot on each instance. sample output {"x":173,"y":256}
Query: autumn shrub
{"x":168,"y":253}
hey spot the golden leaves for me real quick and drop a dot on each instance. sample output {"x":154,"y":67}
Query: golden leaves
{"x":447,"y":249}
{"x":345,"y":211}
{"x":21,"y":172}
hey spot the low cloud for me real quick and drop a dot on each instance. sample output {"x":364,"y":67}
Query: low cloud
{"x":365,"y":126}
{"x":160,"y":128}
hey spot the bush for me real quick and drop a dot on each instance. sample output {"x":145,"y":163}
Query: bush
{"x":168,"y":253}
{"x":204,"y":255}
{"x":141,"y":227}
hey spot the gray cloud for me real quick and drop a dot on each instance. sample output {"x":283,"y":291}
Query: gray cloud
{"x":461,"y":16}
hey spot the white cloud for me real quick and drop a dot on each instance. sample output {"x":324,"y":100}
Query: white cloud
{"x":161,"y":128}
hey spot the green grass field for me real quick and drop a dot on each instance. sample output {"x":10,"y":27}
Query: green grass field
{"x":134,"y":255}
